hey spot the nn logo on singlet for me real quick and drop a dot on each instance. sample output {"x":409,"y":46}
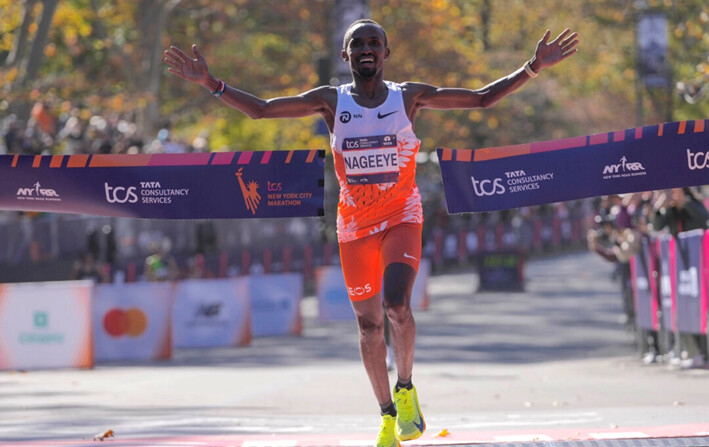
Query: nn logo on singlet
{"x":252,"y":198}
{"x":346,"y":117}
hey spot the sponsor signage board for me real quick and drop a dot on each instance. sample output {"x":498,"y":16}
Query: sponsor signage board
{"x":46,"y":325}
{"x":212,"y":313}
{"x":642,"y":269}
{"x":275,"y":304}
{"x":132,"y":321}
{"x":668,"y":278}
{"x":691,"y":299}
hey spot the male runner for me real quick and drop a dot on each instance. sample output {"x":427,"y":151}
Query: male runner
{"x":379,"y":212}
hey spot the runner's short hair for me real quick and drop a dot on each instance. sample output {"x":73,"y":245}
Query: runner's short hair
{"x":348,"y":33}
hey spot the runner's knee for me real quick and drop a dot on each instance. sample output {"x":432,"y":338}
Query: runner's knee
{"x":398,"y":282}
{"x":370,"y":325}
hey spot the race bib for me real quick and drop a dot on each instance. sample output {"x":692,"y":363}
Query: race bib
{"x":370,"y":160}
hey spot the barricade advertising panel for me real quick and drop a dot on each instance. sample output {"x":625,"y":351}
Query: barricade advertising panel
{"x":668,"y":277}
{"x":46,"y":325}
{"x":642,"y":268}
{"x":419,"y":295}
{"x":331,"y":291}
{"x":132,"y":321}
{"x":275,"y":304}
{"x":705,"y":264}
{"x":334,"y":303}
{"x":661,"y":156}
{"x":167,"y":186}
{"x":212,"y":313}
{"x":691,"y":305}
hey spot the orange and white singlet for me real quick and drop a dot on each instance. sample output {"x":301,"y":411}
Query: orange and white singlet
{"x":375,"y":162}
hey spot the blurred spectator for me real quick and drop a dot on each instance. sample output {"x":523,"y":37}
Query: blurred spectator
{"x":161,"y":265}
{"x":44,"y":118}
{"x":89,"y":268}
{"x":197,"y":268}
{"x":678,"y":210}
{"x":617,"y":244}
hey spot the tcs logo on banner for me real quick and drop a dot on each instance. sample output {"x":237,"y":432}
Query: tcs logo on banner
{"x":129,"y":322}
{"x":120,"y":194}
{"x":487,"y":187}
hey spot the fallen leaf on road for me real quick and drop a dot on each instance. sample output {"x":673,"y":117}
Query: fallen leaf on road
{"x":443,"y":433}
{"x":104,"y":435}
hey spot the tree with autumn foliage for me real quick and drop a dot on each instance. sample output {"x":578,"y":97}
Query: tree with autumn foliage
{"x":105,"y":57}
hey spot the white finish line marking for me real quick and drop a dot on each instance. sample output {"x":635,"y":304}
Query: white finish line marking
{"x":523,"y":438}
{"x":271,"y":443}
{"x":620,"y":435}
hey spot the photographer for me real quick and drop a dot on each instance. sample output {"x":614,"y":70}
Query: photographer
{"x":617,"y":244}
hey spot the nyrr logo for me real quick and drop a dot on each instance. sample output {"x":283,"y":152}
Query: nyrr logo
{"x":697,"y":160}
{"x":623,"y":166}
{"x":487,"y":187}
{"x":120,"y":194}
{"x":37,"y":192}
{"x":252,"y":198}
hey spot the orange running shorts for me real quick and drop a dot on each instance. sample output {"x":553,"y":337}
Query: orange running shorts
{"x":364,"y":260}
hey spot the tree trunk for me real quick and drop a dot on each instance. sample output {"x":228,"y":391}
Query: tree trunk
{"x":37,"y":52}
{"x":153,"y":19}
{"x":485,"y":18}
{"x":18,"y":46}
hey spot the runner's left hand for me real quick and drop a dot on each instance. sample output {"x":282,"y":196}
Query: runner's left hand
{"x":551,"y":53}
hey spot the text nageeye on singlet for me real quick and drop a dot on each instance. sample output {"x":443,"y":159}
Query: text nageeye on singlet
{"x":370,"y":159}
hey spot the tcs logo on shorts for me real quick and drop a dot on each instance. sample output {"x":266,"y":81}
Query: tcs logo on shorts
{"x":129,"y":322}
{"x":359,"y":291}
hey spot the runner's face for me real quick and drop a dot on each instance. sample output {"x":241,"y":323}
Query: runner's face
{"x":366,"y":50}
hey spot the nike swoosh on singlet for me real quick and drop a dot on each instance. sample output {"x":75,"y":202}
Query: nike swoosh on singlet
{"x":380,"y":116}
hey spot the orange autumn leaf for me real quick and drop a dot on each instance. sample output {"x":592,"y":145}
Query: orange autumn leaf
{"x":443,"y":433}
{"x":104,"y":435}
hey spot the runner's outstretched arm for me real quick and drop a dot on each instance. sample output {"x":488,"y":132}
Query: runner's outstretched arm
{"x":196,"y":71}
{"x":426,"y":96}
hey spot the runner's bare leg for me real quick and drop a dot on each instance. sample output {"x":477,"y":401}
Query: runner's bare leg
{"x":398,"y":283}
{"x":370,"y":320}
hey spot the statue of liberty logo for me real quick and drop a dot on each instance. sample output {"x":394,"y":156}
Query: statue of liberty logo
{"x":251,"y":196}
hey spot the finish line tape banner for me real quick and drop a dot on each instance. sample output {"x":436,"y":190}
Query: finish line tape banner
{"x":669,"y":155}
{"x":219,"y":185}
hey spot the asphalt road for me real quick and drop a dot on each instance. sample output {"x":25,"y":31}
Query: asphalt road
{"x":555,"y":356}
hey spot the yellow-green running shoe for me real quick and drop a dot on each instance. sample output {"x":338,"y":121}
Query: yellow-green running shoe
{"x":409,"y":420}
{"x":386,"y":436}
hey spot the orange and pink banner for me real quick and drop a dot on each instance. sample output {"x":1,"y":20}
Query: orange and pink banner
{"x":168,"y":186}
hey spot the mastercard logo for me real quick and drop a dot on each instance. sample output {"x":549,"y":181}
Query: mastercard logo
{"x":130,"y":322}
